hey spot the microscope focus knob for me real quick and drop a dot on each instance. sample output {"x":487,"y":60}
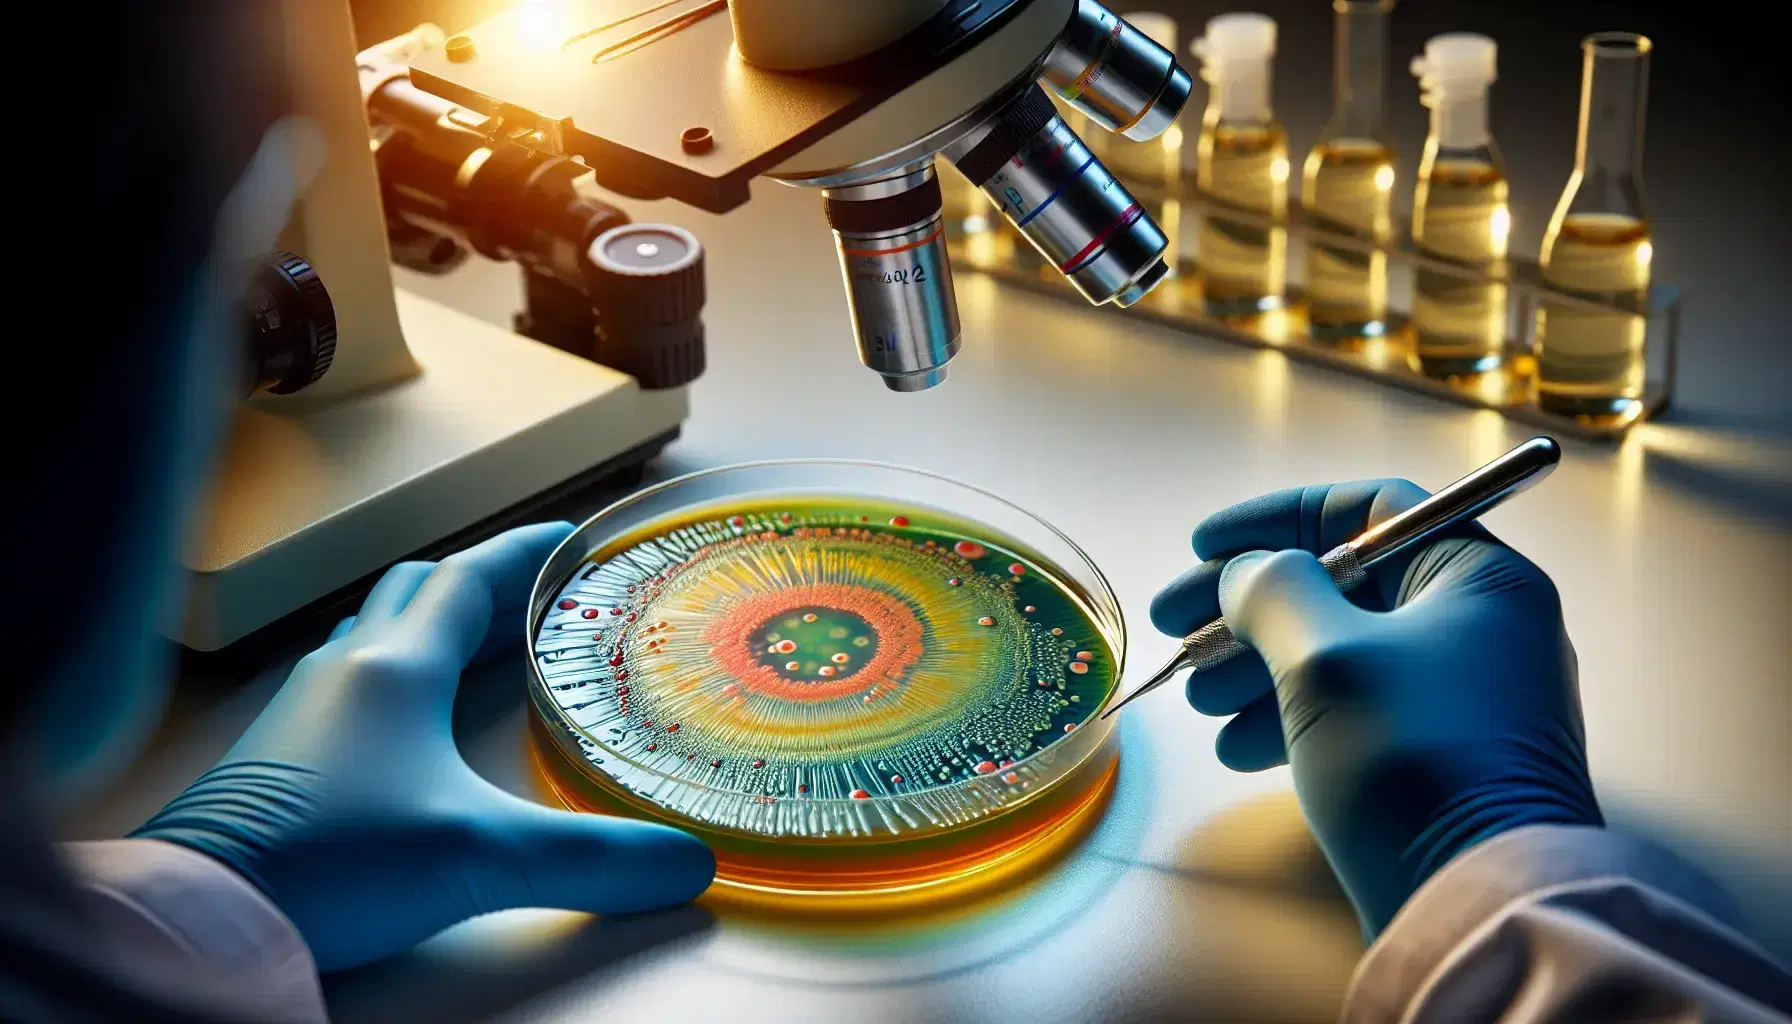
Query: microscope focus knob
{"x":646,"y":283}
{"x":291,"y":328}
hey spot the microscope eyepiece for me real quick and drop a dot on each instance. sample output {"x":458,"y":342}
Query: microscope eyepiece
{"x":891,"y":238}
{"x":1122,"y":78}
{"x":289,"y":325}
{"x":1056,"y":193}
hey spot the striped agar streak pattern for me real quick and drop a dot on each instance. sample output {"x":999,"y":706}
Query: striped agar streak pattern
{"x":593,"y":666}
{"x":800,"y":729}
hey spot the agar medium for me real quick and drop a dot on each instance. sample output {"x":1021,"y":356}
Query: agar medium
{"x":857,"y":683}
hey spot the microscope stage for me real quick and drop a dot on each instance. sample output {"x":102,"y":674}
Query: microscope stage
{"x":622,"y":105}
{"x":311,"y":497}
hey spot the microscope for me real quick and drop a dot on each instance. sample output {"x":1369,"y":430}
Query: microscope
{"x":858,"y":100}
{"x":431,"y":428}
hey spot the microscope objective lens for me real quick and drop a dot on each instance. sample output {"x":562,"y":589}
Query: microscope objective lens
{"x":891,"y":238}
{"x":1121,"y":78}
{"x":1057,"y":194}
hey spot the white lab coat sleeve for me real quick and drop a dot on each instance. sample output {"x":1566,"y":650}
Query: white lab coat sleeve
{"x":1554,"y":923}
{"x":162,"y":904}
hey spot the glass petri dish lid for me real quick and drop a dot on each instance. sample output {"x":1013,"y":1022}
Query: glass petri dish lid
{"x":855,"y":681}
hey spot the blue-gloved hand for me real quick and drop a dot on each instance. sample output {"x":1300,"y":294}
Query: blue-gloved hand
{"x":1432,"y":708}
{"x":348,"y":804}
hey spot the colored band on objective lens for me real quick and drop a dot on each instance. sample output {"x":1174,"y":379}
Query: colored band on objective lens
{"x":1037,"y":210}
{"x":937,"y":232}
{"x":1082,"y":81}
{"x":1087,"y":256}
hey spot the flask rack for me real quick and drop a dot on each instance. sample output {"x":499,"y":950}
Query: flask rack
{"x":986,"y":243}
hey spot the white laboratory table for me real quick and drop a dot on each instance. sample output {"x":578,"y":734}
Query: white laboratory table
{"x":1199,"y":896}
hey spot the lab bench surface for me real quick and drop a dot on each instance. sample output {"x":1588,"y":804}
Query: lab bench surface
{"x":1199,"y":895}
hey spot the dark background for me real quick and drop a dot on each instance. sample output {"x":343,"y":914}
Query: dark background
{"x":1712,"y":156}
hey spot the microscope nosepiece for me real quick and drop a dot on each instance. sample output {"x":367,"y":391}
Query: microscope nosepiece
{"x":891,"y":238}
{"x":1056,"y":193}
{"x":1122,"y":78}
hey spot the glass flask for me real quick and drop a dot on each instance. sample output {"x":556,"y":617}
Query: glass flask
{"x":1347,"y":182}
{"x":1241,"y":160}
{"x":1590,"y":361}
{"x":1460,"y":214}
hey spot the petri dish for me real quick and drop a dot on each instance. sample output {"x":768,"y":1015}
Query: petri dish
{"x":860,"y":684}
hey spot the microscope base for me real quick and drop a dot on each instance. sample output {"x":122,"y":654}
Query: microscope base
{"x":311,"y":498}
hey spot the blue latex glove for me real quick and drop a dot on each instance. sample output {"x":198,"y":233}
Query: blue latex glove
{"x":1432,"y":708}
{"x":348,"y":804}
